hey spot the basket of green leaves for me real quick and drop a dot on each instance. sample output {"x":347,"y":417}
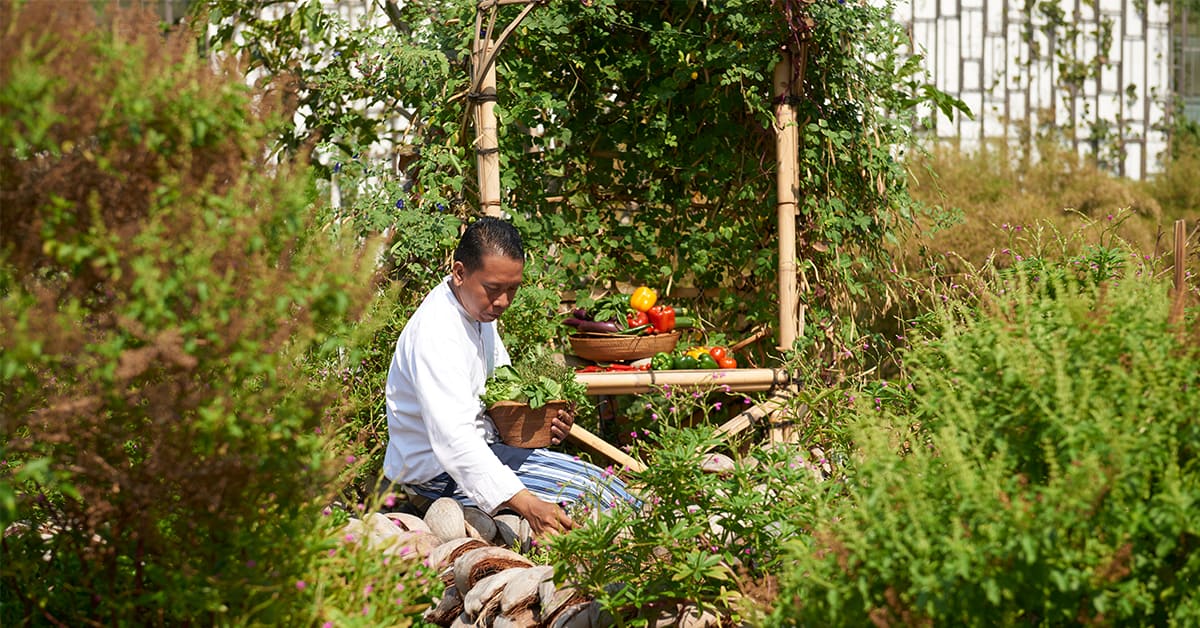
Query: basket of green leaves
{"x":523,"y":398}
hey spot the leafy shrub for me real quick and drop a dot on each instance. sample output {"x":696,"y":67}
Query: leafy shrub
{"x":351,"y":583}
{"x":159,"y":279}
{"x":711,"y":539}
{"x":1044,"y":470}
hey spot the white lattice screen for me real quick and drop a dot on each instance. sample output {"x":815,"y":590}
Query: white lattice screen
{"x":1016,"y":65}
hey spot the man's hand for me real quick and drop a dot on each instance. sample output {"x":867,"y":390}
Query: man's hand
{"x":544,"y":517}
{"x":560,"y":425}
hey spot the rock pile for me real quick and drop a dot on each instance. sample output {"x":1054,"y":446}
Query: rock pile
{"x":487,"y":584}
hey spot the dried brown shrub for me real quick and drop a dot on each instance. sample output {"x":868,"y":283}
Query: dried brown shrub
{"x":159,"y":280}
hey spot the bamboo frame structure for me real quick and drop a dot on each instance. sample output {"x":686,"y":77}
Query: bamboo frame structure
{"x":638,"y":382}
{"x":787,"y":184}
{"x":788,"y":79}
{"x":487,"y":145}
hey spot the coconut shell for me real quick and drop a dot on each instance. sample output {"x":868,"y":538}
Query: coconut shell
{"x":381,"y":531}
{"x":353,"y":532}
{"x":557,"y":600}
{"x":522,"y":591}
{"x":486,"y":592}
{"x":409,"y":522}
{"x":717,"y":463}
{"x":580,"y":615}
{"x":478,"y":564}
{"x":444,"y":555}
{"x":479,"y":524}
{"x":692,"y":617}
{"x":413,"y":544}
{"x":445,"y":519}
{"x":524,"y":619}
{"x":507,"y":527}
{"x":448,"y":608}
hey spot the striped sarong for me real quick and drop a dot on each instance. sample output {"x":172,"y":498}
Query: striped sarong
{"x":550,"y":475}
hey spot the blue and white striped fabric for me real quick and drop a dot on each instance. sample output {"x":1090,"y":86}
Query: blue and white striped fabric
{"x":550,"y":475}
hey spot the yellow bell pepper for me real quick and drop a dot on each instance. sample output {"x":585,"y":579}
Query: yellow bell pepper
{"x":696,"y":352}
{"x":643,"y":298}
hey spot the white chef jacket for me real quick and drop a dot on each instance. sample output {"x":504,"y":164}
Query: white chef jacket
{"x":436,"y":421}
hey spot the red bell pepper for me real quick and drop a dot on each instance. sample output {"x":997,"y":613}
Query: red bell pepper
{"x":662,"y":317}
{"x":636,"y":319}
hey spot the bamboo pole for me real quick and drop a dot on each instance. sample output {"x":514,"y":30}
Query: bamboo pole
{"x":638,"y":382}
{"x":787,"y":153}
{"x":487,"y":147}
{"x":1180,"y":254}
{"x":602,"y":447}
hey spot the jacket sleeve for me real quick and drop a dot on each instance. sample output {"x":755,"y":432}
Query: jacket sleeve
{"x":450,"y":408}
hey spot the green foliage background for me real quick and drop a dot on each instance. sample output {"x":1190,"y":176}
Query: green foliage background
{"x":654,"y":160}
{"x":194,"y":342}
{"x":160,"y":279}
{"x":1041,"y":468}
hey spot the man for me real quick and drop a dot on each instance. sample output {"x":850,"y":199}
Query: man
{"x":441,"y":443}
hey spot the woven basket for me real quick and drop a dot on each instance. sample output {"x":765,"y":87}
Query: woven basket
{"x":522,"y":426}
{"x":617,"y":348}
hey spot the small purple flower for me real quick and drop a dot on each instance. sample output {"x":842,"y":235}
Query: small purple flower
{"x":301,"y":585}
{"x":400,"y":203}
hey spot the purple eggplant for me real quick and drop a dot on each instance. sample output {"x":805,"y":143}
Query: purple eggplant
{"x":607,"y":327}
{"x":571,"y":321}
{"x":581,"y":314}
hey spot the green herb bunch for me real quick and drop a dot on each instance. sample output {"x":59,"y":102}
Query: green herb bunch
{"x":536,"y":380}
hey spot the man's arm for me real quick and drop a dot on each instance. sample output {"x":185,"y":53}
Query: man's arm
{"x":543,"y":517}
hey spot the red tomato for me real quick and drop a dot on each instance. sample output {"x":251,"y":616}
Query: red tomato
{"x":728,"y":362}
{"x":718,"y":353}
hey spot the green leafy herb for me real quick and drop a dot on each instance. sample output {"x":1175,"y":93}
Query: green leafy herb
{"x":537,"y":380}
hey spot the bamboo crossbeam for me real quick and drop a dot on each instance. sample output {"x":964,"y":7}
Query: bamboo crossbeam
{"x":753,"y":414}
{"x":638,"y":382}
{"x":602,"y":447}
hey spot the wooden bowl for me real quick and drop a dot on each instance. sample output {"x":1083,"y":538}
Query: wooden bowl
{"x":619,"y":348}
{"x":522,"y":426}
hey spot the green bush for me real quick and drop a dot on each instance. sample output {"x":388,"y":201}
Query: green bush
{"x":713,"y":539}
{"x":1044,"y":469}
{"x":159,"y":280}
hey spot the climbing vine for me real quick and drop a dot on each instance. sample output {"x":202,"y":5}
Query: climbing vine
{"x":636,"y":140}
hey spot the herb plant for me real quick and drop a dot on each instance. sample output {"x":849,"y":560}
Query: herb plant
{"x":536,"y":380}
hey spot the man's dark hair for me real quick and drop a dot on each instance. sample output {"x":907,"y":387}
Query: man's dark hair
{"x":488,"y":235}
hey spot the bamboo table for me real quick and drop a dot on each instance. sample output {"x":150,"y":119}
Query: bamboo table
{"x":638,"y":382}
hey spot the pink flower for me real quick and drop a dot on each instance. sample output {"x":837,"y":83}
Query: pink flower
{"x":350,"y":459}
{"x":301,"y":585}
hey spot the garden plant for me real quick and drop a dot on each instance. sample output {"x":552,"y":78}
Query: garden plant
{"x":211,"y":234}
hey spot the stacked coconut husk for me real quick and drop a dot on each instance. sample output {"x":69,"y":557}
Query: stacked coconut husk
{"x":486,"y":583}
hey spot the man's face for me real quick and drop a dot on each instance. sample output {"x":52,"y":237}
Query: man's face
{"x":485,"y":293}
